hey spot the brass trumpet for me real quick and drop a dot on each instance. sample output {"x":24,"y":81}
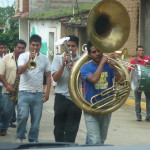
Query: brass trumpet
{"x":32,"y":63}
{"x":63,"y":42}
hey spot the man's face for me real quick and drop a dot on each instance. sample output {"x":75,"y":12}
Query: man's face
{"x":35,"y":47}
{"x":140,"y":52}
{"x":95,"y":55}
{"x":72,"y":46}
{"x":3,"y":49}
{"x":20,"y":48}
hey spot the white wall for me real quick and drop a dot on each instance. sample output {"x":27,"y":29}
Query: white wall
{"x":44,"y":28}
{"x":24,"y":31}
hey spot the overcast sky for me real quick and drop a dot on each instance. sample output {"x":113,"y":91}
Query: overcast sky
{"x":4,"y":3}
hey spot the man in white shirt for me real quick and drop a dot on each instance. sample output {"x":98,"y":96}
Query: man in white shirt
{"x":31,"y":96}
{"x":66,"y":114}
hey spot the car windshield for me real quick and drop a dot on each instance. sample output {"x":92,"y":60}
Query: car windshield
{"x":74,"y":73}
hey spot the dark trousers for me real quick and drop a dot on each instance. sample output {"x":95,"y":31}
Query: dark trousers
{"x":13,"y":119}
{"x":138,"y":103}
{"x":66,"y":119}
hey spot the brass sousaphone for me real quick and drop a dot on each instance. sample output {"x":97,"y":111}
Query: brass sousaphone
{"x":108,"y":28}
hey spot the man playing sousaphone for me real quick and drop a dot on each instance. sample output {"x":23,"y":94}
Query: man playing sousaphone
{"x":8,"y":73}
{"x":140,"y":59}
{"x":98,"y":76}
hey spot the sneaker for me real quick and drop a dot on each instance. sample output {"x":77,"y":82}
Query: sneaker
{"x":139,"y":119}
{"x":147,"y":119}
{"x":13,"y":125}
{"x":19,"y":140}
{"x":32,"y":141}
{"x":3,"y":132}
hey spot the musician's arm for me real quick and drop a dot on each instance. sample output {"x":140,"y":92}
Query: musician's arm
{"x":2,"y":76}
{"x":5,"y":83}
{"x":48,"y":82}
{"x":94,"y":78}
{"x":147,"y":62}
{"x":23,"y":62}
{"x":22,"y":69}
{"x":57,"y":75}
{"x":48,"y":86}
{"x":57,"y":69}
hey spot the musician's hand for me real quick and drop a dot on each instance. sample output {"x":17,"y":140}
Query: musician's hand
{"x":70,"y":65}
{"x":45,"y":97}
{"x":66,"y":58}
{"x":112,"y":55}
{"x":9,"y":88}
{"x":111,"y":63}
{"x":104,"y":59}
{"x":32,"y":55}
{"x":147,"y":62}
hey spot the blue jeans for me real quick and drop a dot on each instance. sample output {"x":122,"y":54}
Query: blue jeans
{"x":0,"y":100}
{"x":7,"y":107}
{"x":33,"y":103}
{"x":97,"y":128}
{"x":137,"y":95}
{"x":0,"y":91}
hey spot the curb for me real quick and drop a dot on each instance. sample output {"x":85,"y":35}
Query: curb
{"x":131,"y":102}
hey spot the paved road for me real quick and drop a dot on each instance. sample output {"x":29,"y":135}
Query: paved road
{"x":124,"y":129}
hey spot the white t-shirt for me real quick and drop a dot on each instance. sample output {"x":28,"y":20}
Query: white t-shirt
{"x":32,"y":79}
{"x":62,"y":84}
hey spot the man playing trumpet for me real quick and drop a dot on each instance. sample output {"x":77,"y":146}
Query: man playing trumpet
{"x":66,"y":114}
{"x":31,"y":95}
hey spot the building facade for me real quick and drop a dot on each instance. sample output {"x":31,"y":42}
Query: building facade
{"x":51,"y":28}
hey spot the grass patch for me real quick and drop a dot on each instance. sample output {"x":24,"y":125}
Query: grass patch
{"x":62,"y":12}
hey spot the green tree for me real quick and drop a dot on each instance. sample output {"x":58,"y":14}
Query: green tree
{"x":9,"y":26}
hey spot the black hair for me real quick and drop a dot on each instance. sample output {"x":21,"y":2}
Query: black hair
{"x":74,"y":39}
{"x":140,"y":46}
{"x":35,"y":38}
{"x":20,"y":41}
{"x":2,"y":42}
{"x":89,"y":45}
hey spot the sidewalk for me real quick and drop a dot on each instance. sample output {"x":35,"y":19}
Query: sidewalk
{"x":121,"y":116}
{"x":131,"y":101}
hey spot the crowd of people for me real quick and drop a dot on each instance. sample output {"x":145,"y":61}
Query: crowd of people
{"x":22,"y":86}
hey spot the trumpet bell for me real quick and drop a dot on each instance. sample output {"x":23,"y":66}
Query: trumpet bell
{"x":32,"y":65}
{"x":108,"y":25}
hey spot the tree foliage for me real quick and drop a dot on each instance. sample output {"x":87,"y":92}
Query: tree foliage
{"x":9,"y":26}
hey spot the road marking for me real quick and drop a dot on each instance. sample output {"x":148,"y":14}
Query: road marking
{"x":131,"y":102}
